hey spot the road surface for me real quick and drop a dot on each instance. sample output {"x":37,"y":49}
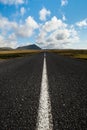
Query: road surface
{"x":43,"y":92}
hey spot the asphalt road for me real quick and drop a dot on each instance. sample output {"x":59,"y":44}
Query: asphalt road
{"x":20,"y":82}
{"x":68,"y":92}
{"x":20,"y":86}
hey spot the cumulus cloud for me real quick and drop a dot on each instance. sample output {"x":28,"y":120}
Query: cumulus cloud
{"x":8,"y":42}
{"x":11,"y":2}
{"x":44,"y":13}
{"x":6,"y":25}
{"x":64,"y":2}
{"x":24,"y":30}
{"x":53,"y":24}
{"x":10,"y":31}
{"x":27,"y":29}
{"x":7,"y":39}
{"x":22,"y":11}
{"x":49,"y":27}
{"x":82,"y":23}
{"x":55,"y":33}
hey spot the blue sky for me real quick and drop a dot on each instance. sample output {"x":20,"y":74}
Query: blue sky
{"x":48,"y":23}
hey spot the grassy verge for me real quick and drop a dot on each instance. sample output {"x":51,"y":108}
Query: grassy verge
{"x":81,"y":54}
{"x":17,"y":53}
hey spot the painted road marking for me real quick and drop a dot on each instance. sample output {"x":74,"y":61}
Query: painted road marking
{"x":44,"y":120}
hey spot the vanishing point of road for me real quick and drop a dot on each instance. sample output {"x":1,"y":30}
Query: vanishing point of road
{"x":44,"y":91}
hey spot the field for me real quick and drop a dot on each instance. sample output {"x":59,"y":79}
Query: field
{"x":17,"y":53}
{"x":82,"y":54}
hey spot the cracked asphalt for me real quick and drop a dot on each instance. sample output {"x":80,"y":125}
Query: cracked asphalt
{"x":20,"y":86}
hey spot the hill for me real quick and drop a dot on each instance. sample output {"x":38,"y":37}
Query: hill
{"x":5,"y":49}
{"x":29,"y":47}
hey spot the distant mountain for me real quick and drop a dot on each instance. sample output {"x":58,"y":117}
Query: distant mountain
{"x":29,"y":47}
{"x":5,"y":49}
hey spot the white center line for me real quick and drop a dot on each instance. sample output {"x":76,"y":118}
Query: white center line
{"x":44,"y":120}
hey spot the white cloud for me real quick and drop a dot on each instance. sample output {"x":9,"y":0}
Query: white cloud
{"x":49,"y":27}
{"x":11,"y":2}
{"x":23,"y":30}
{"x":7,"y":42}
{"x":64,"y":2}
{"x":27,"y":29}
{"x":82,"y":23}
{"x":22,"y":11}
{"x":64,"y":17}
{"x":6,"y":25}
{"x":55,"y":33}
{"x":7,"y":39}
{"x":44,"y":13}
{"x":11,"y":31}
{"x":53,"y":24}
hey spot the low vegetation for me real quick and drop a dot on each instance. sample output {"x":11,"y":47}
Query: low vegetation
{"x":17,"y":53}
{"x":82,"y":54}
